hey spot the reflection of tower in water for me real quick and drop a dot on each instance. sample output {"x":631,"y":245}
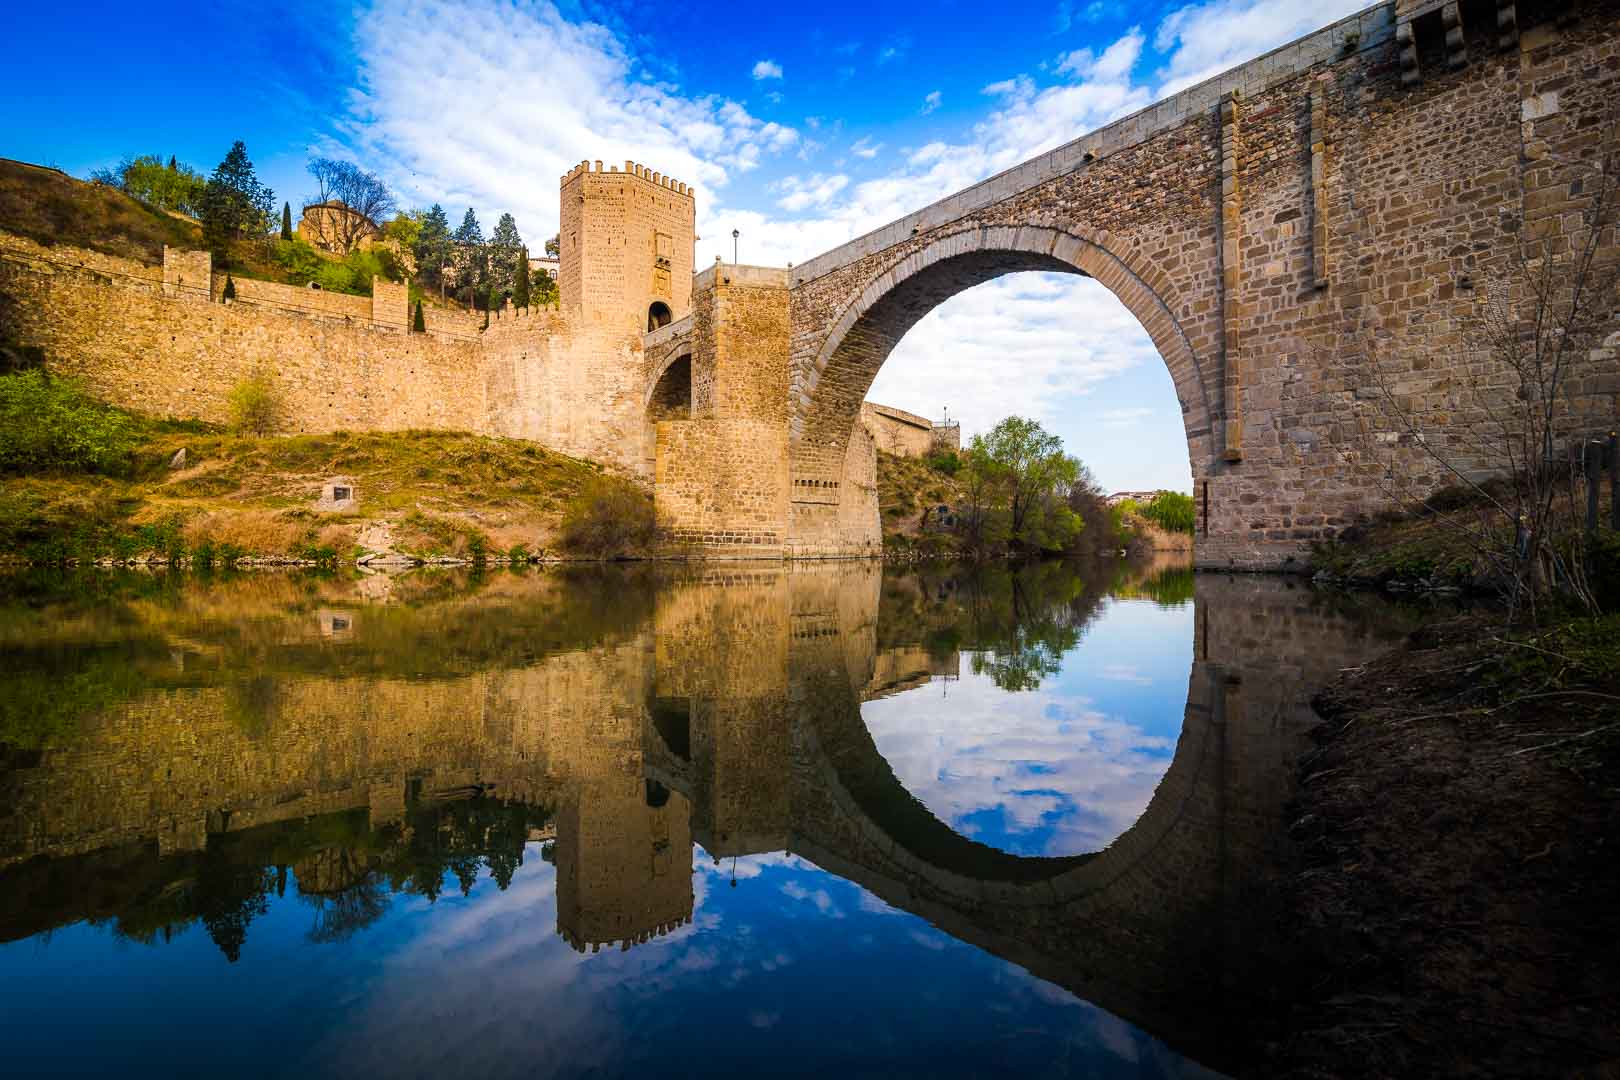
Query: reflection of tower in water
{"x":624,"y":862}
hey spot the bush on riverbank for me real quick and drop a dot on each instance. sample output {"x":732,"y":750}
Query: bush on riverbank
{"x":611,"y":518}
{"x":50,"y":425}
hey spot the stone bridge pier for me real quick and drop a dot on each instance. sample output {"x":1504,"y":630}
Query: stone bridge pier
{"x":1312,"y":241}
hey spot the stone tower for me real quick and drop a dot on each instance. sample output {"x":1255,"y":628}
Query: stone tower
{"x":626,"y":246}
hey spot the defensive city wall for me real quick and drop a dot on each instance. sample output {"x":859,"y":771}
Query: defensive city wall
{"x":1312,"y":241}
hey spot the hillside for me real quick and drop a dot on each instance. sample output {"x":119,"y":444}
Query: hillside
{"x":419,"y":494}
{"x":51,"y":207}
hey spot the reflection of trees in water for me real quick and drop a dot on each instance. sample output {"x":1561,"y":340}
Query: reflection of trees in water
{"x":1018,"y":620}
{"x":346,"y":871}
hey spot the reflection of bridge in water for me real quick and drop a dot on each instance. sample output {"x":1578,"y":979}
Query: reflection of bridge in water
{"x":733,"y":721}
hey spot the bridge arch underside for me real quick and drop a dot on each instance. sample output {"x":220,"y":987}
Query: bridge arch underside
{"x":831,"y":385}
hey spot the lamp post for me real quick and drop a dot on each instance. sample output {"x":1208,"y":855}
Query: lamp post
{"x":734,"y":235}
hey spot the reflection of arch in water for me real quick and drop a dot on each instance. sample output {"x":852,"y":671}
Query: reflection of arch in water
{"x":872,"y":801}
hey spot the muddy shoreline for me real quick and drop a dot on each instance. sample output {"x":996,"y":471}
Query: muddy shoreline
{"x":1454,"y":902}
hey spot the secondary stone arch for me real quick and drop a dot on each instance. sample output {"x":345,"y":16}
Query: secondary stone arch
{"x":866,"y":330}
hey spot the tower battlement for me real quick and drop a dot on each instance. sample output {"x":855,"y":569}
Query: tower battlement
{"x":626,"y":245}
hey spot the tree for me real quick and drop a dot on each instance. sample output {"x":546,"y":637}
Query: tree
{"x":1034,"y":474}
{"x":235,"y":204}
{"x":286,"y":221}
{"x":166,"y":187}
{"x":505,"y":245}
{"x":434,"y":245}
{"x":230,"y":289}
{"x":469,"y":254}
{"x":520,"y":287}
{"x":360,"y":191}
{"x":553,"y":248}
{"x":419,"y":324}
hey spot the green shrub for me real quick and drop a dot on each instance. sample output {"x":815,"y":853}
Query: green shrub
{"x":947,"y":462}
{"x":49,"y":425}
{"x":611,"y":519}
{"x":1170,"y":511}
{"x":255,"y":406}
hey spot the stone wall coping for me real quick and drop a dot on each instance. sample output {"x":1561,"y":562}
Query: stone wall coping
{"x":900,"y":415}
{"x":1365,"y":30}
{"x":740,"y":274}
{"x":668,"y":332}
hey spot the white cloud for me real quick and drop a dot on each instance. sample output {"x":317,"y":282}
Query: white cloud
{"x":767,"y":69}
{"x":1124,"y":417}
{"x":568,"y":92}
{"x":866,"y":149}
{"x":814,"y":191}
{"x":931,"y":101}
{"x":1206,"y":39}
{"x":1114,"y":64}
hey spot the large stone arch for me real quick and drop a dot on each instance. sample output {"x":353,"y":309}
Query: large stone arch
{"x":833,"y":382}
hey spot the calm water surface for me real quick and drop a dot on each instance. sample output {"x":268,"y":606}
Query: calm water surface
{"x":835,"y":820}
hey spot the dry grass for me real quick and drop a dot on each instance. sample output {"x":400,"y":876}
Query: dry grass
{"x":50,"y":207}
{"x":443,"y":493}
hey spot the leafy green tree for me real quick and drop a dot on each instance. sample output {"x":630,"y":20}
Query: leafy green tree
{"x":1035,"y":476}
{"x":553,"y":248}
{"x":235,"y":203}
{"x":166,"y":187}
{"x":418,"y":323}
{"x":286,"y":221}
{"x":1171,"y":511}
{"x":520,"y":287}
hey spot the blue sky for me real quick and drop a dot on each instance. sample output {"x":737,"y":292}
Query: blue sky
{"x":802,"y":126}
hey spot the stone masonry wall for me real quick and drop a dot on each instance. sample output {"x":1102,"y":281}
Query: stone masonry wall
{"x":108,"y":322}
{"x":895,"y":431}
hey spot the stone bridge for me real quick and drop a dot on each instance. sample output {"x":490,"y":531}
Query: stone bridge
{"x":1310,"y":240}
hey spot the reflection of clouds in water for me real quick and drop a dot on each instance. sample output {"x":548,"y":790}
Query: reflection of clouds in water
{"x":1043,"y":772}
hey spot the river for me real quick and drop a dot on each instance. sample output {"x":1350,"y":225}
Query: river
{"x":830,"y":819}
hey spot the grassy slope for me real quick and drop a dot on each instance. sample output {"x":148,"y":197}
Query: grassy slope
{"x":905,"y":487}
{"x":50,"y":207}
{"x":420,"y":493}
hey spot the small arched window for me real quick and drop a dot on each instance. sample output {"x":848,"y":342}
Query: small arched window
{"x":658,"y":315}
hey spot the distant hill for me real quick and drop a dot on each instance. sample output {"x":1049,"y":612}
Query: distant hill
{"x":50,"y":207}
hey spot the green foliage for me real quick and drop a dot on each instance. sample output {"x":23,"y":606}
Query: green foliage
{"x":1171,"y":511}
{"x":518,"y":555}
{"x":947,"y":463}
{"x":433,"y":245}
{"x":255,"y":406}
{"x":286,"y":222}
{"x":418,"y":322}
{"x":302,"y":264}
{"x":611,"y":519}
{"x":49,"y":424}
{"x":505,"y":252}
{"x":1018,"y":480}
{"x":229,"y":292}
{"x":166,"y":187}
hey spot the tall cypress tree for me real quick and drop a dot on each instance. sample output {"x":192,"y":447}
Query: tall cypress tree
{"x":286,"y":221}
{"x":419,"y":324}
{"x":520,"y":289}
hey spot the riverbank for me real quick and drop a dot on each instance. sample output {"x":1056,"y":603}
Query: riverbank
{"x":1456,"y":899}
